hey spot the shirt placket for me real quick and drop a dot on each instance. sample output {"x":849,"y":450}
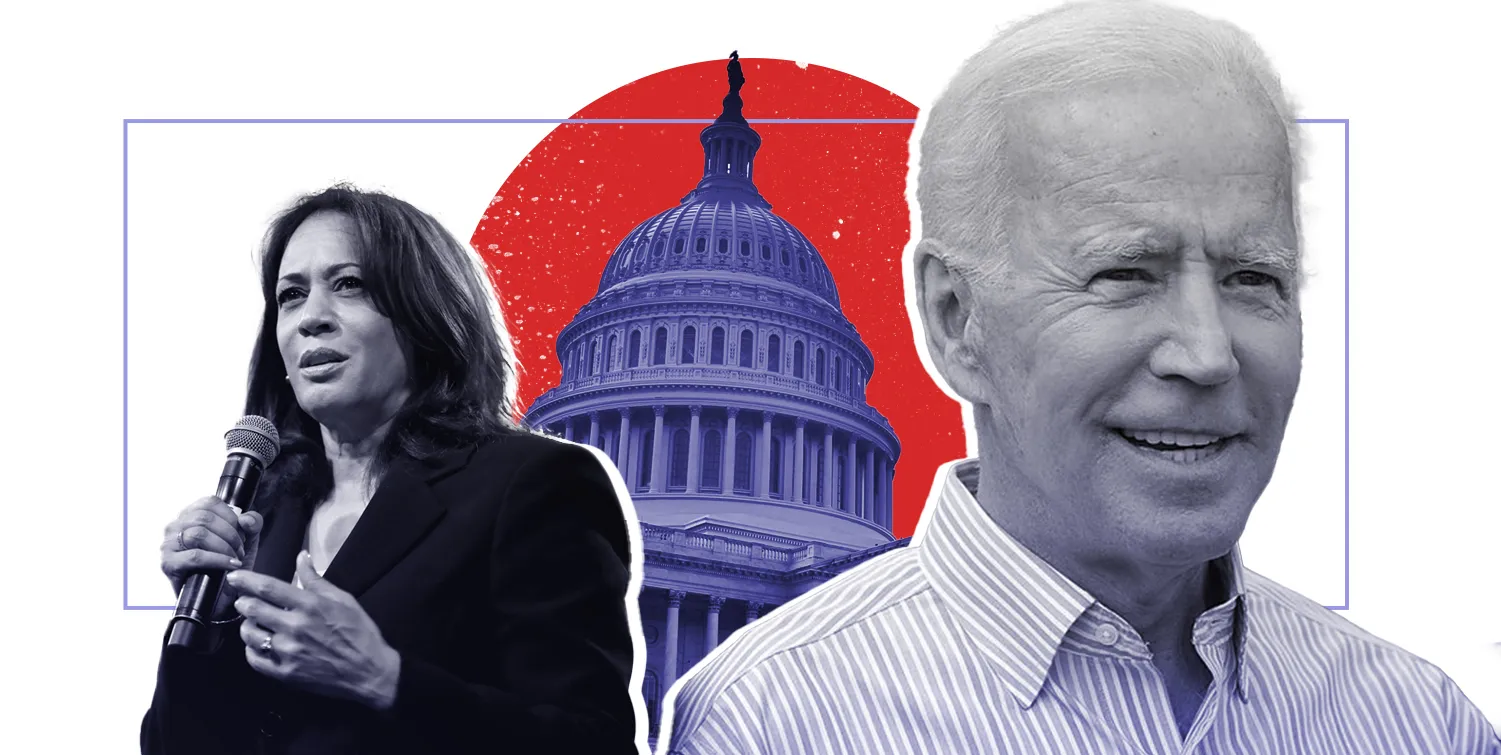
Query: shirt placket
{"x":1214,"y":641}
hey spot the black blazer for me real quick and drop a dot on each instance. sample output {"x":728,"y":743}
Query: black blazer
{"x":499,"y":573}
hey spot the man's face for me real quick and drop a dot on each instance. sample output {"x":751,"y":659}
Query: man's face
{"x":1141,"y":347}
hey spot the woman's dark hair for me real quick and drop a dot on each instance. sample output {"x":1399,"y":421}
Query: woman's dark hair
{"x":446,"y":317}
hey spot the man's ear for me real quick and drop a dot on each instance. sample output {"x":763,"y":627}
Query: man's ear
{"x":947,"y":308}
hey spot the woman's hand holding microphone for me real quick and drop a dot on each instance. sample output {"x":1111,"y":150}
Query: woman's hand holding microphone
{"x":210,"y":535}
{"x":325,"y":642}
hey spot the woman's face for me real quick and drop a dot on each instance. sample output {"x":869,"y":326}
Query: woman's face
{"x":342,"y":356}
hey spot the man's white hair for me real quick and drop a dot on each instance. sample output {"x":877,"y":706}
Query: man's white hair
{"x":964,"y":189}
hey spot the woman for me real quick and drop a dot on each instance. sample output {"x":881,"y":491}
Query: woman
{"x":418,"y":574}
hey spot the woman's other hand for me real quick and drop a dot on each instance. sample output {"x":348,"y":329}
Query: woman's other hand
{"x":318,"y":638}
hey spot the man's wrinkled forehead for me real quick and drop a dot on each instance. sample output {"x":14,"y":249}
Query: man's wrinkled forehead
{"x":1156,"y":127}
{"x":1174,"y":157}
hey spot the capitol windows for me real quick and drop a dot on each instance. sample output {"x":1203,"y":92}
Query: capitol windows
{"x":716,"y":346}
{"x":742,"y":463}
{"x":677,"y":247}
{"x":774,"y":353}
{"x":633,"y":359}
{"x":838,"y":374}
{"x":713,"y":448}
{"x":817,"y":488}
{"x":724,"y":246}
{"x":797,"y":359}
{"x":766,"y":252}
{"x":643,"y":472}
{"x":818,"y":374}
{"x":700,"y":244}
{"x":802,"y":265}
{"x":786,"y":258}
{"x":610,"y":352}
{"x":593,"y":356}
{"x":745,"y":250}
{"x":747,"y":348}
{"x":838,"y":482}
{"x":659,"y":346}
{"x":690,"y":345}
{"x":659,"y":248}
{"x":678,"y":478}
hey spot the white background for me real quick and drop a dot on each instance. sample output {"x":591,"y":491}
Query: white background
{"x":1422,"y":254}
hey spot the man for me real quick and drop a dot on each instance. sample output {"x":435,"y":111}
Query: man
{"x":1108,"y":272}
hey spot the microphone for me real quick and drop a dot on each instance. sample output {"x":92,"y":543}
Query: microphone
{"x":253,"y":444}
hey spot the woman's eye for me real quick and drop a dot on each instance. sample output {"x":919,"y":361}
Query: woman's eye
{"x":288,"y":294}
{"x":1126,"y":275}
{"x":347,"y":282}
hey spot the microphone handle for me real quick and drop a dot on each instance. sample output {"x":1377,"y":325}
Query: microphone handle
{"x":189,"y":628}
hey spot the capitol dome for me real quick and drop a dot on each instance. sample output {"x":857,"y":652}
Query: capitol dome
{"x":723,"y":226}
{"x":714,"y":366}
{"x":710,"y":311}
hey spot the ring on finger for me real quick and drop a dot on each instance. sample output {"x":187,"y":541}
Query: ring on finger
{"x":181,"y":544}
{"x":265,"y":646}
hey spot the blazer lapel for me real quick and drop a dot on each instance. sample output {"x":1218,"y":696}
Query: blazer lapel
{"x":399,"y":515}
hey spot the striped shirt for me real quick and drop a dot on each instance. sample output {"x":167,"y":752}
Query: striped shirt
{"x":966,"y":642}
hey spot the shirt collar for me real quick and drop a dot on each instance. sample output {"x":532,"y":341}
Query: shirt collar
{"x":1010,"y":602}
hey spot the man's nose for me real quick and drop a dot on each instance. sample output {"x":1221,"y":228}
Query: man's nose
{"x":1198,"y":345}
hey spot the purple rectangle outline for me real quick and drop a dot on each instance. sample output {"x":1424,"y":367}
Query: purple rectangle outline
{"x":125,"y":288}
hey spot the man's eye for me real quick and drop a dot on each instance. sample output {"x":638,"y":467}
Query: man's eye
{"x":1254,"y":278}
{"x":1126,"y":275}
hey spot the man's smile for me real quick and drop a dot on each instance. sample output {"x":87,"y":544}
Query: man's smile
{"x":1182,"y":446}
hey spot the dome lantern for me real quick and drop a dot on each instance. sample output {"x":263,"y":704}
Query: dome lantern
{"x":730,"y":146}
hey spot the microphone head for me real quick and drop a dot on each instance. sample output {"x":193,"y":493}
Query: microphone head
{"x":256,"y":437}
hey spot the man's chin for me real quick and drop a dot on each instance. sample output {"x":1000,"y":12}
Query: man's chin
{"x":1188,"y":540}
{"x":1192,"y":527}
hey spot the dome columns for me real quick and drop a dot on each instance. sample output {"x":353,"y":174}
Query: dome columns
{"x":763,"y":486}
{"x":835,"y":465}
{"x":828,"y":465}
{"x":674,"y":608}
{"x":727,"y":474}
{"x":622,"y":449}
{"x":799,"y":447}
{"x":850,"y":501}
{"x":695,"y":463}
{"x":657,"y":457}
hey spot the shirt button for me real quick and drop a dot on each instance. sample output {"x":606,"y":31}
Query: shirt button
{"x":1107,"y":634}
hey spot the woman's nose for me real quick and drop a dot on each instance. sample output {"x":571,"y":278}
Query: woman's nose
{"x":316,"y":315}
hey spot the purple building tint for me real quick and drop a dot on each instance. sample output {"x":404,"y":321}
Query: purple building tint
{"x":715,"y":367}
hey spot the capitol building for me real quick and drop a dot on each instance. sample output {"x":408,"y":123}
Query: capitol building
{"x":715,"y":367}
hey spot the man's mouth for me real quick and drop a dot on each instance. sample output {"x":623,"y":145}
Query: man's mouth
{"x":1177,"y":445}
